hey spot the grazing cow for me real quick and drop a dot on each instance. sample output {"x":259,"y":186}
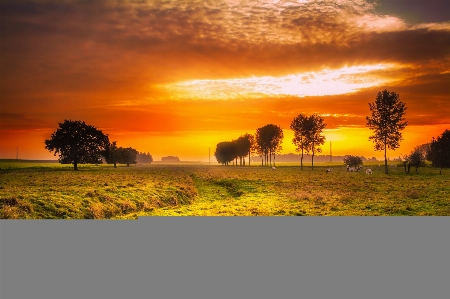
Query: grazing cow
{"x":328,"y":170}
{"x":273,"y":167}
{"x":368,"y":171}
{"x":351,"y":169}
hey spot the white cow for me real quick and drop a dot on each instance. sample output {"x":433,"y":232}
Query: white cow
{"x":368,"y":171}
{"x":273,"y":167}
{"x":328,"y":170}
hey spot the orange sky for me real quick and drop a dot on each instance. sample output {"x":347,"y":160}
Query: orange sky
{"x":177,"y":77}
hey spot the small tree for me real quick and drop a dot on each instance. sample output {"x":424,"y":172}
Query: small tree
{"x":386,"y":120}
{"x":353,"y":161}
{"x":415,"y":159}
{"x":76,"y":143}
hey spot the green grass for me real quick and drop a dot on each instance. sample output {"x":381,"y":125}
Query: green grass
{"x":48,"y":190}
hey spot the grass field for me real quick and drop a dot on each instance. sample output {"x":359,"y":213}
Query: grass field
{"x":34,"y":190}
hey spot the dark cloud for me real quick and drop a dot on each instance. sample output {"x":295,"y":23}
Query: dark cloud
{"x":416,"y":11}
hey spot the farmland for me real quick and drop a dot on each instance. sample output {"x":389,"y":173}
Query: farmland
{"x":32,"y":190}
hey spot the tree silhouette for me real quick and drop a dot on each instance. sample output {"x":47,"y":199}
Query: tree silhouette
{"x":244,"y":146}
{"x":439,"y":152}
{"x":299,"y":126}
{"x":129,"y":155}
{"x":112,"y":154}
{"x":415,"y":159}
{"x":313,"y":129}
{"x":251,"y":149}
{"x":144,"y":158}
{"x":386,"y":120}
{"x":268,"y":141}
{"x":76,"y":143}
{"x":225,"y":152}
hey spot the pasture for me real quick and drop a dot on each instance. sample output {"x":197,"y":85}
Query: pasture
{"x":48,"y":190}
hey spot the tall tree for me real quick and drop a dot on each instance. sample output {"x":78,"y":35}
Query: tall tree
{"x":268,"y":141}
{"x":76,"y":143}
{"x":314,"y":135}
{"x":299,"y":125}
{"x":387,"y":122}
{"x":251,"y":149}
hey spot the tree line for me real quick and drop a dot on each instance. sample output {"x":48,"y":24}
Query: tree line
{"x":266,"y":142}
{"x":76,"y":142}
{"x":386,"y":120}
{"x":79,"y":143}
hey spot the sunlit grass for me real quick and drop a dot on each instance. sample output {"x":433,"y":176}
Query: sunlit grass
{"x":98,"y":192}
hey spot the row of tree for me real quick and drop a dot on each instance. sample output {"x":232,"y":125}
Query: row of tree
{"x":229,"y":151}
{"x":78,"y":143}
{"x":437,"y":152}
{"x":119,"y":155}
{"x":266,"y":142}
{"x":144,"y":158}
{"x":386,"y":120}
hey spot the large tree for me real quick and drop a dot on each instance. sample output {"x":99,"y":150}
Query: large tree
{"x":268,"y":141}
{"x":386,"y":121}
{"x":76,"y":143}
{"x":300,"y":140}
{"x":439,"y":152}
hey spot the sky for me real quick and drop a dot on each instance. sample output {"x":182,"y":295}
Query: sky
{"x":178,"y":77}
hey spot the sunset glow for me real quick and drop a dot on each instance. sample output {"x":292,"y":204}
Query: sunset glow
{"x":326,"y":82}
{"x":177,"y":77}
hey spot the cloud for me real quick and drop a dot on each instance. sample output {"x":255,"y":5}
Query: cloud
{"x":86,"y":58}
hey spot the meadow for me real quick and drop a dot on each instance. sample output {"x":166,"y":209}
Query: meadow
{"x":33,"y":190}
